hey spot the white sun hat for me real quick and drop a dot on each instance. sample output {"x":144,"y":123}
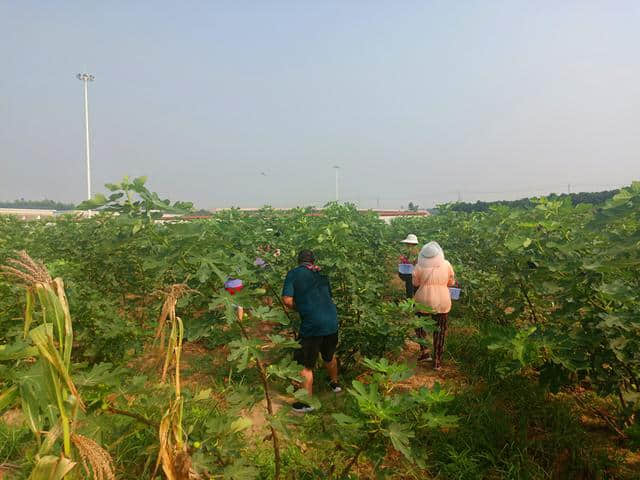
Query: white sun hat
{"x":431,"y":250}
{"x":411,"y":239}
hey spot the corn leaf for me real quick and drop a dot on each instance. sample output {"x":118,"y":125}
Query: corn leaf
{"x":43,"y":339}
{"x":8,"y":397}
{"x":28,"y":312}
{"x":31,"y":407}
{"x":50,"y":439}
{"x":51,"y":468}
{"x":68,"y":328}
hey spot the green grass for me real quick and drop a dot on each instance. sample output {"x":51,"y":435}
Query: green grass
{"x":16,"y":444}
{"x":510,"y":428}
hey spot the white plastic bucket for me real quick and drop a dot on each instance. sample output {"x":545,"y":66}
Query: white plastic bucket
{"x":405,"y":268}
{"x":454,"y":292}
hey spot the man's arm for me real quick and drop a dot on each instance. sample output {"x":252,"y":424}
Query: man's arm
{"x":288,"y":291}
{"x":288,"y":302}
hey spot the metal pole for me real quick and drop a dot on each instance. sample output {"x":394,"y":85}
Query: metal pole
{"x":86,"y":131}
{"x":86,"y":78}
{"x":337,"y":191}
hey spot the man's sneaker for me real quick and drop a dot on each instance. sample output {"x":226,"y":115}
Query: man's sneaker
{"x":335,"y":386}
{"x":300,"y":407}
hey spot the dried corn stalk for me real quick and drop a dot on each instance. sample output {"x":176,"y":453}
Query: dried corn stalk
{"x":168,"y":319}
{"x":172,"y":454}
{"x":53,"y":338}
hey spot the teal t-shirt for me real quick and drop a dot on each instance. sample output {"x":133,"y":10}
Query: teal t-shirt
{"x":312,"y":293}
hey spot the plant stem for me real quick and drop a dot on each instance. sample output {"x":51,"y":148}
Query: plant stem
{"x":265,"y":387}
{"x":621,"y":398}
{"x":134,"y":415}
{"x":178,"y":351}
{"x":274,"y":434}
{"x":632,"y":377}
{"x":526,"y":296}
{"x":602,"y":416}
{"x":354,"y":459}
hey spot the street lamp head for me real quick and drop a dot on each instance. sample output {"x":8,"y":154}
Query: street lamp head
{"x":85,"y":77}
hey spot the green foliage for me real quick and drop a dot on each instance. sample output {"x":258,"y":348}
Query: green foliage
{"x":552,"y":288}
{"x":511,"y":427}
{"x":563,"y":276}
{"x":133,"y":199}
{"x":377,"y":419}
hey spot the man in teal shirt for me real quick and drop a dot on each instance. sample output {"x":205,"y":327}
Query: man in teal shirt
{"x":309,"y":292}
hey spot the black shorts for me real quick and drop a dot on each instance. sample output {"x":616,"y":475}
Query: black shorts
{"x":307,"y":354}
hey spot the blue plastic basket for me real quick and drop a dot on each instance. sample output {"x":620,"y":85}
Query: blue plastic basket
{"x":405,"y":268}
{"x":233,"y":283}
{"x":455,"y":293}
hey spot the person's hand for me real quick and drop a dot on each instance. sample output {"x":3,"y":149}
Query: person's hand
{"x":289,"y":302}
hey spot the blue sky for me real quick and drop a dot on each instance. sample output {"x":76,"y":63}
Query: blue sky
{"x":416,"y":101}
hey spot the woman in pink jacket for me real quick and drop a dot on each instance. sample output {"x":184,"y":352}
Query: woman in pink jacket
{"x":432,"y":277}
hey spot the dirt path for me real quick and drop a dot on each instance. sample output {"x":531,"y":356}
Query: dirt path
{"x":258,"y":413}
{"x":424,"y":376}
{"x":424,"y":373}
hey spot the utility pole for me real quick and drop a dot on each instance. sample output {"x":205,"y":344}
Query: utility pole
{"x":337,"y":168}
{"x":86,"y":78}
{"x":569,"y":189}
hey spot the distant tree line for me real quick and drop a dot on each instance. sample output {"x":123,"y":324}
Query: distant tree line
{"x":203,"y":213}
{"x":41,"y":204}
{"x":594,"y":198}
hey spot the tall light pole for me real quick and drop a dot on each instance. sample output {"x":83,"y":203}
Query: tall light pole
{"x":337,"y":168}
{"x":86,"y":78}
